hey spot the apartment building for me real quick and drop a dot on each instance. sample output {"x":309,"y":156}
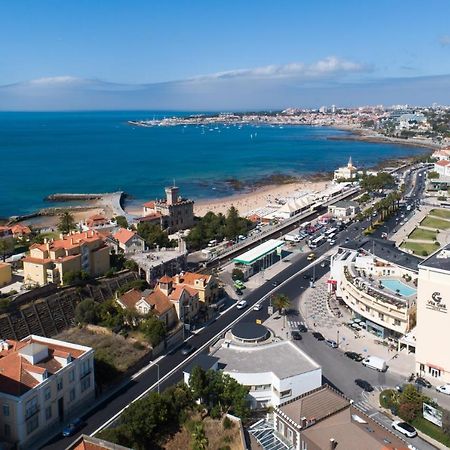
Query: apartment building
{"x":433,"y":316}
{"x":48,"y":262}
{"x":207,"y":286}
{"x":378,"y":283}
{"x":43,"y":382}
{"x":5,"y":274}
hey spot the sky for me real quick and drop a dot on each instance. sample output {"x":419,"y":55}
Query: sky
{"x":243,"y":54}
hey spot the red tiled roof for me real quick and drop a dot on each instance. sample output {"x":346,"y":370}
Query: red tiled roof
{"x":124,"y":235}
{"x":130,"y":298}
{"x":157,"y":299}
{"x":442,"y":163}
{"x":149,"y":205}
{"x":150,"y":217}
{"x":20,"y":229}
{"x":165,"y":279}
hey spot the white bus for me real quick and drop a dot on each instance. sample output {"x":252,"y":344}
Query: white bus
{"x":317,"y":241}
{"x":331,"y":237}
{"x":330,"y":232}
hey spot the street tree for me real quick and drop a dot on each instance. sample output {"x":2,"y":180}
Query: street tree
{"x":66,"y":222}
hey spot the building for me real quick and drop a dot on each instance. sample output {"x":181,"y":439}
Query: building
{"x":85,"y":442}
{"x":441,"y":154}
{"x":207,"y":286}
{"x":128,"y":241}
{"x":20,"y":231}
{"x":5,"y":274}
{"x":274,"y":370}
{"x":349,"y":172}
{"x":442,"y":167}
{"x":344,"y":209}
{"x":174,"y":213}
{"x":323,"y":419}
{"x":147,"y":302}
{"x":43,"y":382}
{"x":50,"y":261}
{"x":260,"y":257}
{"x":377,"y":286}
{"x":433,"y":316}
{"x":7,"y":237}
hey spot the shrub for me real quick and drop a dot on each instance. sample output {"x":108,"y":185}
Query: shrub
{"x":424,"y":253}
{"x":227,"y":423}
{"x":237,"y":274}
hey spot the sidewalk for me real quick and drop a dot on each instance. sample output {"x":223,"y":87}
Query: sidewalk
{"x":318,"y":316}
{"x":405,"y":230}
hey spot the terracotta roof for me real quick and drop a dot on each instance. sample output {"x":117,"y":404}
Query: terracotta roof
{"x":149,"y":205}
{"x":33,"y":260}
{"x":20,"y":229}
{"x":91,"y":443}
{"x":150,"y":217}
{"x":70,"y":241}
{"x":165,"y":279}
{"x":190,"y":277}
{"x":124,"y":235}
{"x":157,"y":299}
{"x":442,"y":163}
{"x":130,"y":298}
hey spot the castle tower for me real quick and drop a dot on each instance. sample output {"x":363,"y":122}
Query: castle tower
{"x":171,"y":195}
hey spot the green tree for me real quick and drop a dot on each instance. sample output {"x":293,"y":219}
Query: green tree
{"x":432,"y":175}
{"x":281,"y":302}
{"x":198,"y":382}
{"x":75,"y":276}
{"x":233,"y":225}
{"x":66,"y":222}
{"x":153,"y":235}
{"x":154,"y":330}
{"x":6,"y":247}
{"x":87,"y":311}
{"x":121,"y":221}
{"x":131,"y":265}
{"x":237,"y":274}
{"x":200,"y":441}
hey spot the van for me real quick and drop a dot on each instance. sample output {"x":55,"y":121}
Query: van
{"x":373,"y":362}
{"x":212,"y":243}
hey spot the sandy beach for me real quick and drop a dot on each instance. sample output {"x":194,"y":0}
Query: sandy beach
{"x":258,"y":198}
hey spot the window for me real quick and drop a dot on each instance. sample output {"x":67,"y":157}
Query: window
{"x":85,"y":383}
{"x":72,"y":375}
{"x":286,"y":393}
{"x":85,"y":368}
{"x":7,"y":429}
{"x":32,"y":424}
{"x":397,"y":322}
{"x":290,"y":435}
{"x":367,"y":309}
{"x":31,"y":407}
{"x":6,"y":409}
{"x":47,"y":393}
{"x":72,"y":395}
{"x":59,"y":386}
{"x":381,"y":316}
{"x":48,"y":413}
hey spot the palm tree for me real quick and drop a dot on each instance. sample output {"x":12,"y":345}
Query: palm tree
{"x":66,"y":222}
{"x":281,"y":302}
{"x":199,"y":437}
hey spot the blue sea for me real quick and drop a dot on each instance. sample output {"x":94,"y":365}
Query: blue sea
{"x":90,"y":152}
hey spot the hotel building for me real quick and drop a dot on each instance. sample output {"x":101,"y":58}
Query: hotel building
{"x":43,"y":382}
{"x":48,"y":262}
{"x":377,"y":282}
{"x":433,"y":316}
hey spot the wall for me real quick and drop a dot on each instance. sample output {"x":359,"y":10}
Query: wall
{"x":5,"y":274}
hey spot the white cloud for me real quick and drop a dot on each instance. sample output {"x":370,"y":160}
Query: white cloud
{"x":444,"y":40}
{"x":330,"y":66}
{"x":61,"y":80}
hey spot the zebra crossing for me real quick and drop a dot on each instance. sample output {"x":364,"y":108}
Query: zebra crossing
{"x":367,"y":408}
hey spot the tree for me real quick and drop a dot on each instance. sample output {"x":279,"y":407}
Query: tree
{"x":87,"y":311}
{"x":154,"y":330}
{"x":131,"y":265}
{"x":6,"y":246}
{"x":198,"y":382}
{"x":233,"y":225}
{"x":66,"y":222}
{"x":281,"y":302}
{"x":121,"y":221}
{"x":75,"y":276}
{"x":237,"y":274}
{"x":200,"y":441}
{"x":432,"y":175}
{"x":153,"y":235}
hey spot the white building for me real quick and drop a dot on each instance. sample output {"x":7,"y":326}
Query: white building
{"x":433,"y":316}
{"x":349,"y":172}
{"x":344,"y":209}
{"x":442,"y":167}
{"x":43,"y":382}
{"x":275,"y":371}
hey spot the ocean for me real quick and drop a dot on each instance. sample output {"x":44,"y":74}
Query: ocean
{"x":93,"y":152}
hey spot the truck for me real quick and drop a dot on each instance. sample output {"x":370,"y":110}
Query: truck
{"x":376,"y":363}
{"x":292,"y":238}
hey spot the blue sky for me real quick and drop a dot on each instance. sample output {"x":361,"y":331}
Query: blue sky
{"x":207,"y":54}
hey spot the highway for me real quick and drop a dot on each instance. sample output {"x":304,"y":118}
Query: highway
{"x":291,"y":282}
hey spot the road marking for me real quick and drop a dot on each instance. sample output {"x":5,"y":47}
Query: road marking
{"x":204,"y":346}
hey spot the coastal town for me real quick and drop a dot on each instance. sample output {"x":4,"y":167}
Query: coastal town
{"x":267,"y":292}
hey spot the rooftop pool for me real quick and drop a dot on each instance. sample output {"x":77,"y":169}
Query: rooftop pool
{"x":396,"y":285}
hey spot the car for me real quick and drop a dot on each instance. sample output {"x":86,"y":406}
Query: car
{"x":323,"y":264}
{"x":404,"y":428}
{"x":275,"y":283}
{"x":302,"y":328}
{"x":422,"y":382}
{"x":347,"y":239}
{"x":239,"y":292}
{"x":318,"y":336}
{"x":364,"y":385}
{"x":331,"y":343}
{"x":444,"y":389}
{"x":241,"y":305}
{"x":73,"y":427}
{"x":257,"y":307}
{"x":311,"y":257}
{"x":296,"y":335}
{"x":354,"y":356}
{"x":187,"y":349}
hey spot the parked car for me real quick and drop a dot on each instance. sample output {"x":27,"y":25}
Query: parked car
{"x":318,"y":336}
{"x":363,"y":384}
{"x":404,"y":428}
{"x":444,"y":389}
{"x":302,"y":328}
{"x":296,"y":335}
{"x":187,"y":350}
{"x":73,"y":427}
{"x":241,"y":305}
{"x":257,"y":307}
{"x":355,"y":356}
{"x":323,"y":264}
{"x":422,"y":382}
{"x":331,"y":343}
{"x":239,"y":292}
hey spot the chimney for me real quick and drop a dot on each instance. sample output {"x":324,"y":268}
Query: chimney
{"x":61,"y":235}
{"x":303,"y":422}
{"x":333,"y":444}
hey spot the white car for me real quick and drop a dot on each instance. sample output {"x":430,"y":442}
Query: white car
{"x":241,"y":305}
{"x":257,"y":307}
{"x":404,"y":428}
{"x":445,"y":389}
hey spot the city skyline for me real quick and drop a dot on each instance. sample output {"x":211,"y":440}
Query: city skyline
{"x":203,"y":57}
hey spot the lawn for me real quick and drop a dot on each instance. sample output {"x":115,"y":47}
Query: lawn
{"x":444,"y":213}
{"x":425,"y":235}
{"x":431,"y":222}
{"x":432,"y":430}
{"x":420,"y":249}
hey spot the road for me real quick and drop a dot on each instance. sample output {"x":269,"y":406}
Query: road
{"x":170,"y":367}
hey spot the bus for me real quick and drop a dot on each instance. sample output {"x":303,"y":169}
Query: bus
{"x":317,"y":241}
{"x":331,"y":237}
{"x":331,"y":231}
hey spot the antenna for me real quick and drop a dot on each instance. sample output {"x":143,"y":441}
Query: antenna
{"x":174,"y":182}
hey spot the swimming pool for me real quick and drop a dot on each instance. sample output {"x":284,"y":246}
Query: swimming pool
{"x":394,"y":285}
